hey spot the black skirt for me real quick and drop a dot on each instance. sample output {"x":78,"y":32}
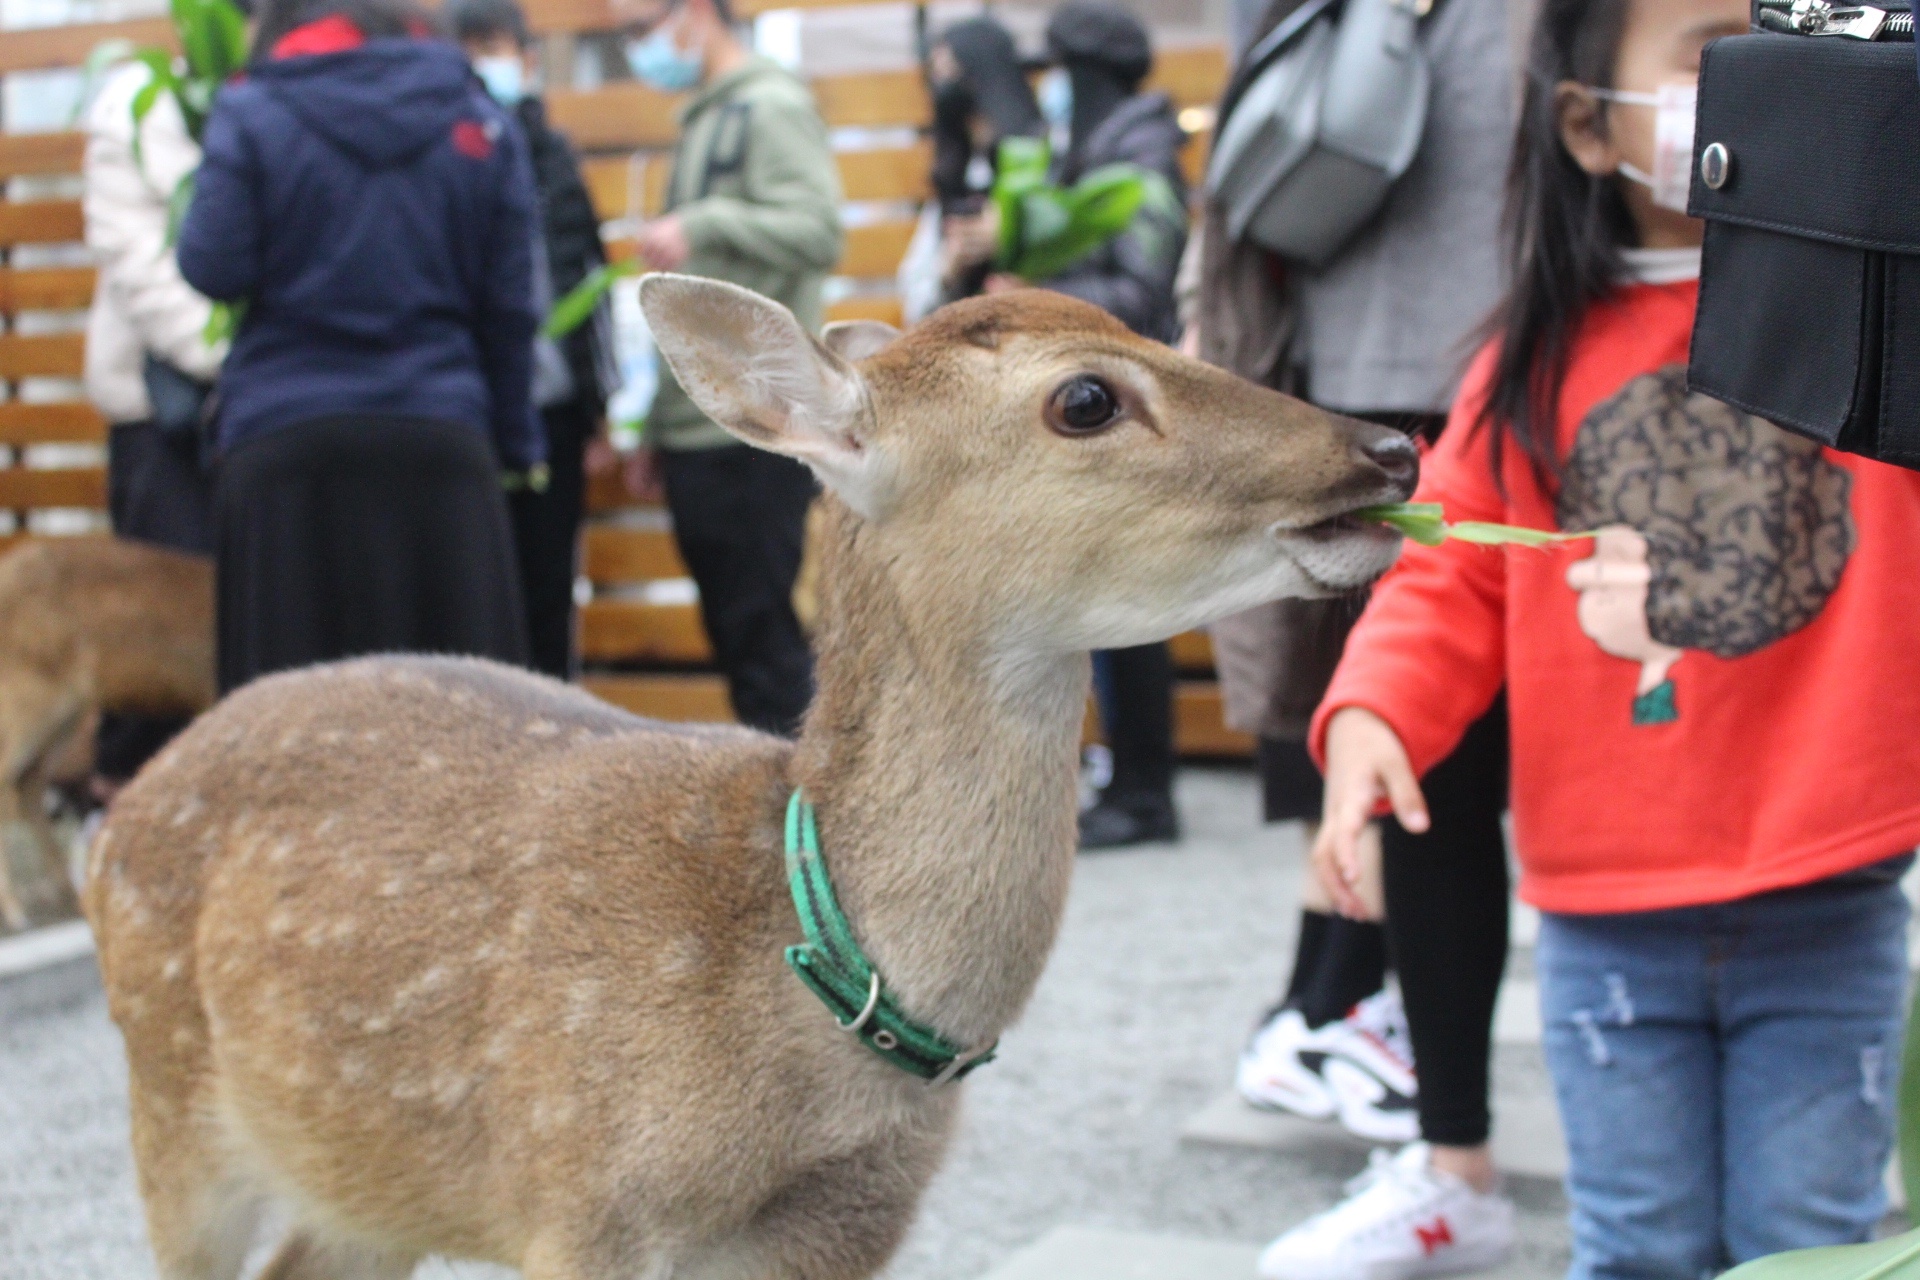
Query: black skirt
{"x":363,"y":534}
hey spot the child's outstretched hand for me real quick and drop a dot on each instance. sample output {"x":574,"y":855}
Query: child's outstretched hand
{"x":1365,"y":764}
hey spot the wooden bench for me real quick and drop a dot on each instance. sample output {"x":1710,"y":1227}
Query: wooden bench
{"x":640,"y":651}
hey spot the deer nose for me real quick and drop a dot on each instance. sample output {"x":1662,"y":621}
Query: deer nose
{"x":1394,"y":454}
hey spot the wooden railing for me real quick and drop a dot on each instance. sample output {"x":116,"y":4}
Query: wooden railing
{"x":640,"y":651}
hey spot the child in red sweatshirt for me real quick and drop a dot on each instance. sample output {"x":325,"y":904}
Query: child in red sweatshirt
{"x":1714,"y":701}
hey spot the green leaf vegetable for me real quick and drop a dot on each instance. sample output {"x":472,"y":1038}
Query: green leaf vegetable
{"x":1895,"y":1258}
{"x":1045,"y":229}
{"x":573,"y":310}
{"x":1426,"y":524}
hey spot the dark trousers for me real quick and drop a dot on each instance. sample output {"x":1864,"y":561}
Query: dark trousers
{"x":1445,"y":934}
{"x":363,"y":534}
{"x":157,"y":492}
{"x":546,"y":531}
{"x":739,"y":517}
{"x":1135,"y":688}
{"x":1447,"y":909}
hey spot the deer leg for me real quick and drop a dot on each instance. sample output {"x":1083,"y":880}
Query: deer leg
{"x":200,"y":1218}
{"x":36,"y":719}
{"x":305,"y":1256}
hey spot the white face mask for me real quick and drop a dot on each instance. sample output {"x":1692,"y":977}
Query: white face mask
{"x":1672,"y":175}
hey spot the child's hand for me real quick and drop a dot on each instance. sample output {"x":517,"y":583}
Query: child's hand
{"x":1365,"y":763}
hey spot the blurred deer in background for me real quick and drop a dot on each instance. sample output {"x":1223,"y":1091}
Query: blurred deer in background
{"x":456,"y":960}
{"x":86,"y":625}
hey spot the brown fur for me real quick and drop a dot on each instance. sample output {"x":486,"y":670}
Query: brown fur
{"x":457,"y":960}
{"x":86,"y":625}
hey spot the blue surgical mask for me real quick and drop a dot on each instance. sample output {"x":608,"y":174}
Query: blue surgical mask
{"x":1056,"y":98}
{"x":505,"y":78}
{"x":660,"y":63}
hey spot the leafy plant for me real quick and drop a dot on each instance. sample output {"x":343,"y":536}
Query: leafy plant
{"x":213,"y":43}
{"x":1044,"y":229}
{"x":1895,"y":1258}
{"x":1426,"y":524}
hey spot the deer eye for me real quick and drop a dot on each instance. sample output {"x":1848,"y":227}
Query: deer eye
{"x":1082,"y":406}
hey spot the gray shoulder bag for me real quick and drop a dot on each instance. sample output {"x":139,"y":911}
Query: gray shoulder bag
{"x":1325,"y":116}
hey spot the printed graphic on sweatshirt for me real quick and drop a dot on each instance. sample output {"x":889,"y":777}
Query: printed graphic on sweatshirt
{"x":1718,"y":531}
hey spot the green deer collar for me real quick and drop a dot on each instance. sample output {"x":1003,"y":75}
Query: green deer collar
{"x":834,"y":967}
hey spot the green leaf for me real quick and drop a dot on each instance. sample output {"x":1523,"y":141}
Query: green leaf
{"x":1895,"y":1258}
{"x":224,"y":322}
{"x":1910,"y":1108}
{"x":105,"y":55}
{"x":177,"y":205}
{"x":573,"y":310}
{"x":1426,"y":524}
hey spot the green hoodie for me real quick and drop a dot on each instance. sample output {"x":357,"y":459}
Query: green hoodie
{"x":758,"y":194}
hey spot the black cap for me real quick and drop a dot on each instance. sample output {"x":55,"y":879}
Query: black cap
{"x":1093,"y":31}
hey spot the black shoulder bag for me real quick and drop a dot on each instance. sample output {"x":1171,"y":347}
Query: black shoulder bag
{"x":1807,"y":171}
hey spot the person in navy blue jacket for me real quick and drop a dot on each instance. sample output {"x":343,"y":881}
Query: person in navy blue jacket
{"x":371,"y":212}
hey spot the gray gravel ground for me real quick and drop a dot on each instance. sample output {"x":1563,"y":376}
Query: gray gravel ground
{"x":1166,"y":956}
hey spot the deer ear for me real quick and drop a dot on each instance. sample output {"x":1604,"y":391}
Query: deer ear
{"x":748,"y":365}
{"x":857,"y":339}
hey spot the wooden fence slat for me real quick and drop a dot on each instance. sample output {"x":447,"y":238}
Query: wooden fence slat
{"x":1192,"y":651}
{"x":636,"y":631}
{"x":27,"y":488}
{"x":887,"y":173}
{"x":882,"y":173}
{"x":611,"y":554}
{"x":682,"y":698}
{"x":1199,"y":724}
{"x":69,"y":423}
{"x":46,"y":289}
{"x":566,"y":17}
{"x":885,"y":308}
{"x":47,"y":48}
{"x":616,"y":117}
{"x":52,"y":355}
{"x":1192,"y":76}
{"x":875,"y":249}
{"x":41,"y":222}
{"x":873,"y":100}
{"x":25,"y":154}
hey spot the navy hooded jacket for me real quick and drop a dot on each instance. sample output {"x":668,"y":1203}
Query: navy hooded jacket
{"x":375,"y":210}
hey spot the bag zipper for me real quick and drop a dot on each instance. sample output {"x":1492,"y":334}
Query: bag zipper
{"x":1823,"y":18}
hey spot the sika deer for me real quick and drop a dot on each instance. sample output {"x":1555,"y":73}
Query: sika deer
{"x":86,"y":625}
{"x":457,"y":960}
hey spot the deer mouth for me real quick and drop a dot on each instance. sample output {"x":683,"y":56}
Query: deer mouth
{"x":1341,"y":553}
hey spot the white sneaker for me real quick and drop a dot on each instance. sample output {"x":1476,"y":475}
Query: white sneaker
{"x":1368,"y":1067}
{"x":1280,"y":1069}
{"x":1401,"y":1219}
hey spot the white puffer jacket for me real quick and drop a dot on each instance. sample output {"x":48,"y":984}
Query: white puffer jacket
{"x":140,"y":303}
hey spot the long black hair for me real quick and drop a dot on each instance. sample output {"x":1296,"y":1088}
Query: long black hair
{"x":377,"y":19}
{"x":1565,"y":229}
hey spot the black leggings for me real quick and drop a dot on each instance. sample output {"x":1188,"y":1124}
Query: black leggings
{"x":1446,"y":897}
{"x":1446,"y":933}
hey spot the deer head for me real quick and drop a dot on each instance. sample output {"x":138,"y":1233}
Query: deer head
{"x":1030,"y":461}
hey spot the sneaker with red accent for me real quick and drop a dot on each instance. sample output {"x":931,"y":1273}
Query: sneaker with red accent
{"x":1366,"y":1060}
{"x":1402,"y":1218}
{"x":1280,"y":1068}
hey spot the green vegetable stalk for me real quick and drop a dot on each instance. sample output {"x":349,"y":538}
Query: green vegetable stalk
{"x":574,"y":310}
{"x":1426,"y":524}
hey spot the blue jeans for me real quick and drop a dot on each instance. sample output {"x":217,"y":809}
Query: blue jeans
{"x":1726,"y":1075}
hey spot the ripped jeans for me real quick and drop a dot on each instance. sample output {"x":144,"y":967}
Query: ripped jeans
{"x":1726,"y":1075}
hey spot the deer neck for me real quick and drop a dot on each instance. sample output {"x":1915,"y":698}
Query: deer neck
{"x":943,"y":766}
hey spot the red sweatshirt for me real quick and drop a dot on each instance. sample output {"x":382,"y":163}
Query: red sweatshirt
{"x":1730,"y":702}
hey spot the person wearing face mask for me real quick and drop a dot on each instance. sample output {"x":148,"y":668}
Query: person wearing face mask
{"x":572,"y":384}
{"x":754,"y":200}
{"x":1093,"y":99}
{"x":980,"y":98}
{"x":369,"y":211}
